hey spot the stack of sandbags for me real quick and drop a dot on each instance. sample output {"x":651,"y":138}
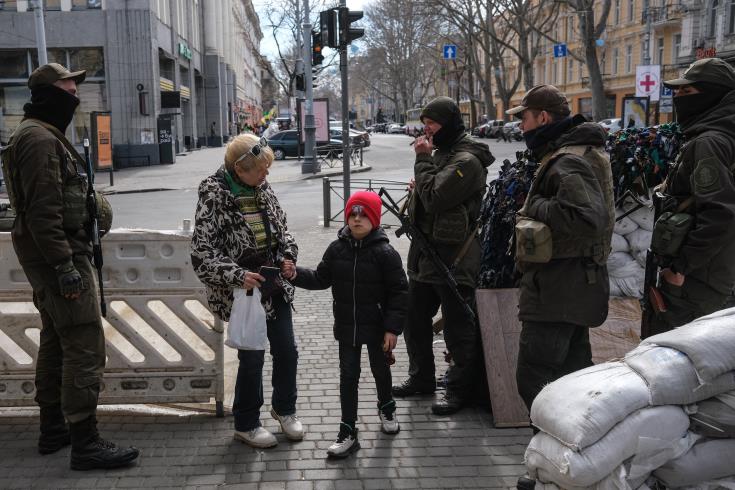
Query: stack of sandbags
{"x":630,"y":241}
{"x":599,"y":430}
{"x":667,"y":410}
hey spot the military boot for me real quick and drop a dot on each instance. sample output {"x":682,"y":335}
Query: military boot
{"x":54,"y":431}
{"x":525,"y":483}
{"x":89,"y":451}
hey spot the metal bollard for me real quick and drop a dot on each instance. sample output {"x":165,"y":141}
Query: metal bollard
{"x":186,"y":225}
{"x":326,"y":189}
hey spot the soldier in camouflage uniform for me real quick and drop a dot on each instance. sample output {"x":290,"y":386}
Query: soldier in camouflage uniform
{"x":51,"y":239}
{"x":699,"y":279}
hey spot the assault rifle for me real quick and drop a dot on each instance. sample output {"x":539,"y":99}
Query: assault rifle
{"x":94,"y":226}
{"x":418,"y":238}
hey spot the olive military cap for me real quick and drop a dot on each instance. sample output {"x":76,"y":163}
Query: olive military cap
{"x":542,"y":98}
{"x":711,"y":70}
{"x":52,"y":72}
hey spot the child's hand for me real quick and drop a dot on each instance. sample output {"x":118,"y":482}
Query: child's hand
{"x":389,"y":341}
{"x":288,"y":269}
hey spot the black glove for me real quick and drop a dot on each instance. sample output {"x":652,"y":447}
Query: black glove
{"x":70,"y":280}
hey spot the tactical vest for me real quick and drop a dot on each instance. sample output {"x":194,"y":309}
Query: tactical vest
{"x":75,"y":188}
{"x":598,"y":249}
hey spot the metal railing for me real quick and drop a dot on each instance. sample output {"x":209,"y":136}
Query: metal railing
{"x":332,"y":157}
{"x":336,"y":187}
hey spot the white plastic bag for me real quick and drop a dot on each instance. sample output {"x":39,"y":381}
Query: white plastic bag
{"x":247,"y":329}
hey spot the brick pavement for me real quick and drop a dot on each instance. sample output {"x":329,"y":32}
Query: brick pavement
{"x":193,"y":450}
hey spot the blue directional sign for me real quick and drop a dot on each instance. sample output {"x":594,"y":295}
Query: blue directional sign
{"x":560,"y":50}
{"x":666,"y":91}
{"x":450,"y":52}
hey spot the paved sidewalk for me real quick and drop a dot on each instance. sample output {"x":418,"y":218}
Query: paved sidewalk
{"x":190,"y":169}
{"x":189,"y":450}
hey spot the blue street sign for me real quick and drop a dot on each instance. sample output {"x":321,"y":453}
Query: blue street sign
{"x":666,"y":91}
{"x":560,"y":50}
{"x":450,"y":51}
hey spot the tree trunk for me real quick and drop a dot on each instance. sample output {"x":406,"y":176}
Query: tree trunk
{"x":599,"y":102}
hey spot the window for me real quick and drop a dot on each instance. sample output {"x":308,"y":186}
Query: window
{"x":553,"y":71}
{"x":163,"y":8}
{"x":628,"y":58}
{"x":87,"y":4}
{"x":195,"y":26}
{"x":631,"y":10}
{"x":570,"y":28}
{"x":660,"y":51}
{"x":614,"y":61}
{"x":90,"y":59}
{"x":52,"y":4}
{"x":677,"y":48}
{"x":8,"y":5}
{"x":570,"y":69}
{"x":731,"y":22}
{"x":617,"y":12}
{"x":13,"y":96}
{"x":14,"y":64}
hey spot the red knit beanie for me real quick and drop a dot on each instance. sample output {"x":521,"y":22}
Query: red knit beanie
{"x":371,"y":205}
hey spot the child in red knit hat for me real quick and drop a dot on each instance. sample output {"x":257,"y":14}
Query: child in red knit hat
{"x":370,"y":292}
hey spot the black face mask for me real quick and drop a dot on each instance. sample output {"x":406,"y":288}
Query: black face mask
{"x":537,"y":138}
{"x":52,"y":105}
{"x":689,"y":107}
{"x":448,"y":133}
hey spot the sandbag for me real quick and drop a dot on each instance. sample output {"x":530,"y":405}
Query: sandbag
{"x":621,"y":264}
{"x":724,"y":483}
{"x":713,"y":419}
{"x":593,"y":400}
{"x":628,"y":287}
{"x":617,"y":480}
{"x":671,"y":376}
{"x":709,"y":342}
{"x":651,"y":436}
{"x":625,"y":226}
{"x":639,"y":239}
{"x":643,"y":217}
{"x":619,"y":243}
{"x":709,"y":459}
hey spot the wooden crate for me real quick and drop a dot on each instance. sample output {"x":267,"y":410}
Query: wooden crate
{"x":500,"y":328}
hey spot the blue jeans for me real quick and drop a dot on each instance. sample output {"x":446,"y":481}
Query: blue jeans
{"x":249,"y":383}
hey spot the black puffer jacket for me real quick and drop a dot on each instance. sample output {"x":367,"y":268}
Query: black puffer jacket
{"x":368,"y":283}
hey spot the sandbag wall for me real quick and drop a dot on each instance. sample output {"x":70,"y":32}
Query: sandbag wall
{"x":663,"y":415}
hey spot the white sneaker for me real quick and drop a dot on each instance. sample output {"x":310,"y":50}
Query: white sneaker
{"x":388,"y":420}
{"x":345,"y":444}
{"x":258,"y":437}
{"x":290,"y":425}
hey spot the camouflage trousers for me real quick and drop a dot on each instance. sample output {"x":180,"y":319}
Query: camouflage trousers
{"x":71,"y":355}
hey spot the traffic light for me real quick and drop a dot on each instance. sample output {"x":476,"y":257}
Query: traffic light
{"x":328,"y":28}
{"x":348,"y":34}
{"x":300,"y":82}
{"x":316,"y":48}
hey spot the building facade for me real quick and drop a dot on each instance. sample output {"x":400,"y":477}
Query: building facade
{"x":178,"y":69}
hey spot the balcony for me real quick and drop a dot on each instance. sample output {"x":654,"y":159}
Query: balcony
{"x":667,"y":16}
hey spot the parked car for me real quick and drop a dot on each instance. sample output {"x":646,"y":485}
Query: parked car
{"x":512,"y":130}
{"x":286,"y":144}
{"x":396,"y":128}
{"x":357,"y":138}
{"x":493,"y":129}
{"x":612,"y":125}
{"x":479,"y":130}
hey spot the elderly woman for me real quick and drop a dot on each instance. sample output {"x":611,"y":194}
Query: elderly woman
{"x":240,"y":227}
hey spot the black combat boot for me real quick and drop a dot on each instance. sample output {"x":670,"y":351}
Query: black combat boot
{"x":448,"y":404}
{"x":411,"y":386}
{"x":54,"y":431}
{"x":525,"y":483}
{"x":89,"y":451}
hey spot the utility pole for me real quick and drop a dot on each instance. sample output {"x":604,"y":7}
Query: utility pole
{"x":309,"y":164}
{"x":40,"y":31}
{"x":345,"y":114}
{"x":647,"y":35}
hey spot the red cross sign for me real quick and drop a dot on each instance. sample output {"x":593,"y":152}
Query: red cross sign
{"x":648,"y":81}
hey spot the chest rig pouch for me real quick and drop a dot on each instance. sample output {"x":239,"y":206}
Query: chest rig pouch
{"x":533,"y":241}
{"x":76,"y":212}
{"x":669,"y":233}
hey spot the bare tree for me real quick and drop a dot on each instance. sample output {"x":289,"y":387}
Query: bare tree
{"x":401,"y":36}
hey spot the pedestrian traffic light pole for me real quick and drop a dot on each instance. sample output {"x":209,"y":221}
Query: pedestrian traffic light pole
{"x":40,"y":31}
{"x":309,"y":164}
{"x":345,"y":106}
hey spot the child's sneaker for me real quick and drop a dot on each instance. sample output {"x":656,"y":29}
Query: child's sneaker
{"x":345,"y":444}
{"x":388,"y":419}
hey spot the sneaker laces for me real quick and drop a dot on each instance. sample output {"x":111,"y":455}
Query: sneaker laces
{"x":345,"y":431}
{"x":388,"y":409}
{"x":290,"y":419}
